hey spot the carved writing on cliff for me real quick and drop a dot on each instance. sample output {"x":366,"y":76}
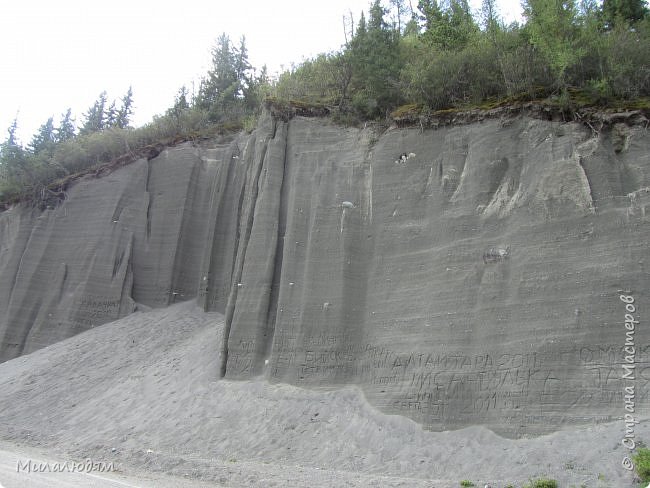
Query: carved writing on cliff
{"x":452,"y":386}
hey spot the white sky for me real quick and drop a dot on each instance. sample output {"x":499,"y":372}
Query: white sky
{"x":60,"y":54}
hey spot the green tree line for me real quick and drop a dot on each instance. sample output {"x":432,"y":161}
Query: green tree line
{"x":441,"y":56}
{"x":435,"y":56}
{"x":50,"y":153}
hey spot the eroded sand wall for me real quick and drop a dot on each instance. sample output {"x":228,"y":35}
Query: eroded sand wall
{"x":477,"y":281}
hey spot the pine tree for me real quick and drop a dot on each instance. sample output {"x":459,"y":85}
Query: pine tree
{"x":110,"y":118}
{"x":66,"y":129}
{"x":626,"y":12}
{"x":449,"y":28}
{"x":225,"y":89}
{"x":219,"y":88}
{"x":123,"y":115}
{"x":430,"y":14}
{"x":243,"y":69}
{"x":12,"y":140}
{"x":180,"y":102}
{"x":95,"y":118}
{"x":376,"y":21}
{"x":180,"y":105}
{"x":375,"y":62}
{"x":14,"y":159}
{"x":44,"y":139}
{"x":258,"y":90}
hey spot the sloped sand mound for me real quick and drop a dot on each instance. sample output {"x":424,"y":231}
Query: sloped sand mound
{"x":144,"y":392}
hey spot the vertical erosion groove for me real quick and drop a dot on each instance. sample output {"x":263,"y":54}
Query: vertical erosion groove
{"x":177,"y":284}
{"x":149,"y":199}
{"x":253,"y":187}
{"x":276,"y":280}
{"x":217,"y":264}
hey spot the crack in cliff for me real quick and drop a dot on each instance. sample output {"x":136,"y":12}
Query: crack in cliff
{"x":64,"y":278}
{"x":117,"y":264}
{"x":215,"y":263}
{"x":149,"y":196}
{"x":20,"y":265}
{"x":241,"y":253}
{"x":186,"y":223}
{"x":276,"y":280}
{"x":240,"y":207}
{"x":127,"y":279}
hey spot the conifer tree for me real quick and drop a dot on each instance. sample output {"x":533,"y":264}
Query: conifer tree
{"x":95,"y":117}
{"x":220,"y":85}
{"x":228,"y":81}
{"x":180,"y":105}
{"x":375,"y":61}
{"x":180,"y":102}
{"x":110,"y":118}
{"x":243,"y":69}
{"x":66,"y":129}
{"x":13,"y":158}
{"x":449,"y":28}
{"x":45,"y":137}
{"x":626,"y":12}
{"x":123,"y":114}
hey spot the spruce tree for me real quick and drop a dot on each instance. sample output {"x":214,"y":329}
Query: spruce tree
{"x":219,"y":88}
{"x":123,"y":114}
{"x":243,"y":69}
{"x":180,"y":105}
{"x":449,"y":28}
{"x":14,"y":160}
{"x":66,"y":129}
{"x":95,"y":117}
{"x":110,"y":118}
{"x":375,"y":61}
{"x":626,"y":12}
{"x":44,"y":139}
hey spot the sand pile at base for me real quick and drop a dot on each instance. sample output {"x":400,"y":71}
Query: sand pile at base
{"x":144,"y":392}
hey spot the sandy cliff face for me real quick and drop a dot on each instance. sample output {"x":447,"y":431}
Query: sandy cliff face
{"x":475,"y":281}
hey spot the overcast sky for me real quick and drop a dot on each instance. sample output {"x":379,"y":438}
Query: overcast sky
{"x":62,"y":54}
